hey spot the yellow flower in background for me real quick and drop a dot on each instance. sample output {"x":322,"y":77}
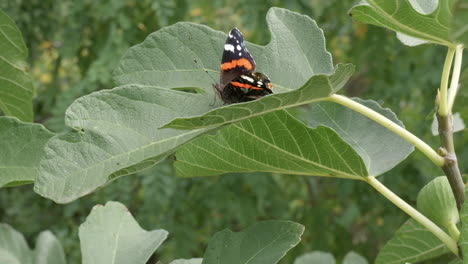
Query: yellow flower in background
{"x":45,"y":78}
{"x":195,"y":12}
{"x":84,"y":52}
{"x":141,"y":26}
{"x":45,"y":45}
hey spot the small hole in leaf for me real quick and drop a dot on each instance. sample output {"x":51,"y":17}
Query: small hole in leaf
{"x":190,"y":90}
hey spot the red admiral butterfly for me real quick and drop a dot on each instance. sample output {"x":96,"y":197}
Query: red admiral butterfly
{"x":238,"y":82}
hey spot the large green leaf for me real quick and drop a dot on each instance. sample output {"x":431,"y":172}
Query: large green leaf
{"x":110,"y":235}
{"x":460,"y":22}
{"x":411,"y":20}
{"x":22,"y":147}
{"x":16,"y":87}
{"x":379,"y":148}
{"x":411,"y":243}
{"x":264,"y":242}
{"x":48,"y":250}
{"x":116,"y":132}
{"x":436,"y":201}
{"x":315,"y":257}
{"x":13,"y":247}
{"x":15,"y":250}
{"x":275,"y":142}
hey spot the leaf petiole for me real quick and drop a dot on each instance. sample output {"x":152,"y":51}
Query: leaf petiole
{"x":415,"y":214}
{"x":455,"y":77}
{"x":443,"y":109}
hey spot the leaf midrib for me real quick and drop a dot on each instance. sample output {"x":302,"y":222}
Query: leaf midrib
{"x":244,"y":117}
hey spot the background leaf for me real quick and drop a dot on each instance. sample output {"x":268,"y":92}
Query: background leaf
{"x":16,"y":87}
{"x":263,"y":242}
{"x":401,"y":16}
{"x":315,"y":257}
{"x":436,"y":201}
{"x":458,"y":124}
{"x":379,"y":148}
{"x":275,"y":142}
{"x":411,"y":243}
{"x":111,"y":235}
{"x":13,"y":246}
{"x":354,"y":258}
{"x":48,"y":249}
{"x":22,"y":147}
{"x":459,"y":29}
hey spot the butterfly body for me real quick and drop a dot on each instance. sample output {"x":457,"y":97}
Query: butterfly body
{"x":238,"y":81}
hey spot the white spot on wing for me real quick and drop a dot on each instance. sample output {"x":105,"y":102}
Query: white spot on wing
{"x":240,"y":53}
{"x":230,"y":36}
{"x":259,"y":83}
{"x":239,"y":47}
{"x":237,"y":41}
{"x":247,"y":78}
{"x":229,"y":47}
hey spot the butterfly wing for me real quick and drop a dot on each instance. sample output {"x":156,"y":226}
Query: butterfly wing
{"x":236,"y":58}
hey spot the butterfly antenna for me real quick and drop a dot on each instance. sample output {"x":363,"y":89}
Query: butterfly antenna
{"x":206,"y":72}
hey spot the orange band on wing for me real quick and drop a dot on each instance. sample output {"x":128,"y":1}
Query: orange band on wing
{"x":244,"y":85}
{"x":237,"y":63}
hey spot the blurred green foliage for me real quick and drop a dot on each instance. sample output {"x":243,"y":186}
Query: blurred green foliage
{"x":74,"y":46}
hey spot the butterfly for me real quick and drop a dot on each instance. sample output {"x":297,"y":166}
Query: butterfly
{"x":238,"y":81}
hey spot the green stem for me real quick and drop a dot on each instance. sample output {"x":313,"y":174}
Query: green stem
{"x":455,"y":77}
{"x":415,"y":214}
{"x":443,"y":109}
{"x":392,"y":126}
